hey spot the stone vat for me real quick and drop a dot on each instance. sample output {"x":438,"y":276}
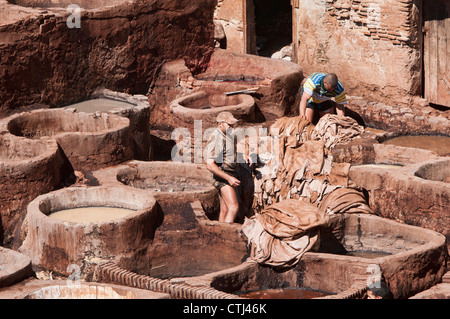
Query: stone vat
{"x":411,"y":258}
{"x":171,"y":183}
{"x":92,"y":291}
{"x":278,"y":80}
{"x":276,"y":84}
{"x":90,"y":141}
{"x":395,"y":189}
{"x":436,"y":143}
{"x":32,"y":288}
{"x":56,"y":244}
{"x":390,"y":175}
{"x":14,"y":267}
{"x":179,"y":254}
{"x":134,"y":107}
{"x":438,"y":171}
{"x":314,"y":272}
{"x":353,"y":250}
{"x":28,"y":168}
{"x":205,"y":107}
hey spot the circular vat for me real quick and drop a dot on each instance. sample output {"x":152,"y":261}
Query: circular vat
{"x":167,"y":178}
{"x":56,"y":243}
{"x":314,"y":277}
{"x":437,"y":171}
{"x":230,"y":78}
{"x":92,"y":291}
{"x":187,"y":243}
{"x":14,"y":267}
{"x":206,"y":106}
{"x":134,"y":107}
{"x":175,"y":185}
{"x":194,"y":253}
{"x":277,"y":81}
{"x":438,"y":144}
{"x":401,"y":252}
{"x":89,"y":141}
{"x":353,"y":249}
{"x":28,"y":168}
{"x":85,"y":4}
{"x":99,"y":105}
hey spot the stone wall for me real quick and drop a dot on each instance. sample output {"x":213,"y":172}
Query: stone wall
{"x":373,"y":45}
{"x":230,"y":15}
{"x":119,"y":47}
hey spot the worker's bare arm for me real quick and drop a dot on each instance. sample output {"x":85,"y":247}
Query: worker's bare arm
{"x":213,"y":168}
{"x":303,"y":102}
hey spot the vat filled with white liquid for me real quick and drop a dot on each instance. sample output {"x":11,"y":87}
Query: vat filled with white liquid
{"x":77,"y":224}
{"x":91,"y":214}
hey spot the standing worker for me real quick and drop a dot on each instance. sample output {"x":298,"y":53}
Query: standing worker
{"x":221,"y":160}
{"x":317,"y":93}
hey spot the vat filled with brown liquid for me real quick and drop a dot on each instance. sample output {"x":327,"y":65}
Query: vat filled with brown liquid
{"x":284,"y":293}
{"x":437,"y":144}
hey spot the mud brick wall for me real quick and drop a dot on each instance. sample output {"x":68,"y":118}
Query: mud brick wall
{"x":366,"y":15}
{"x":373,"y":45}
{"x":120,"y":47}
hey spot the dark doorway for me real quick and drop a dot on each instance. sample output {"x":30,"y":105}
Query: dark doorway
{"x":436,"y":16}
{"x":273,"y":25}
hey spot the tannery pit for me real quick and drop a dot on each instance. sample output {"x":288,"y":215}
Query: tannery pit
{"x":185,"y":150}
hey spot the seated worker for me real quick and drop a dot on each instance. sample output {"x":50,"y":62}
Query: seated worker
{"x":317,"y":93}
{"x":221,"y":160}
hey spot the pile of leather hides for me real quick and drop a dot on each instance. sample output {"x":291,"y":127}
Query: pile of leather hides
{"x":283,"y":232}
{"x":297,"y":163}
{"x":297,"y":187}
{"x":334,"y":129}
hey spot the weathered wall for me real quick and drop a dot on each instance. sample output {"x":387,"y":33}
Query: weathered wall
{"x":230,"y":14}
{"x":373,"y":45}
{"x":120,"y":48}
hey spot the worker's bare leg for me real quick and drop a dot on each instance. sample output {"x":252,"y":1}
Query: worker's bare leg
{"x":229,"y":198}
{"x":223,"y":207}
